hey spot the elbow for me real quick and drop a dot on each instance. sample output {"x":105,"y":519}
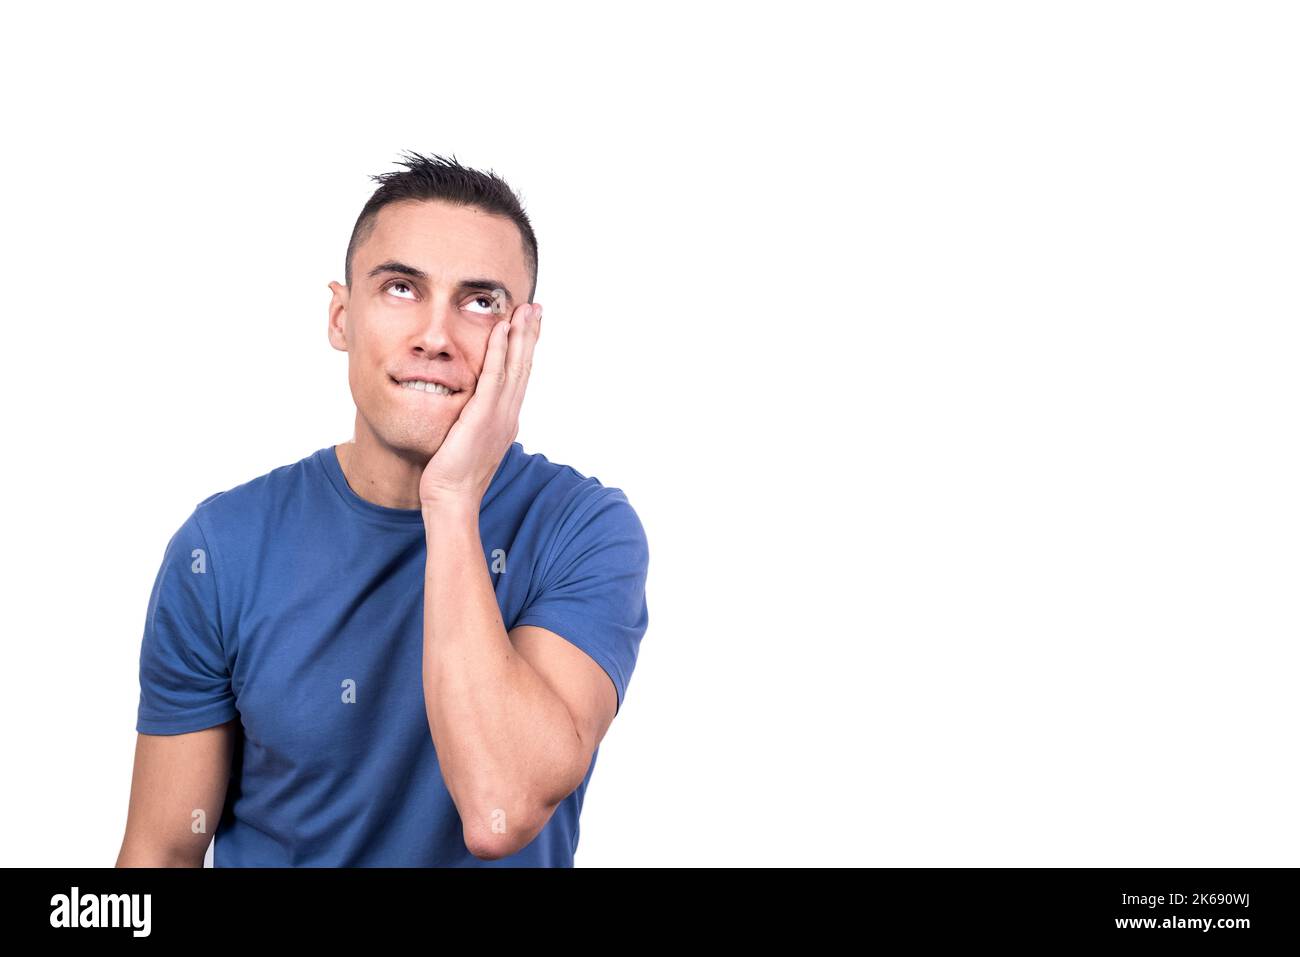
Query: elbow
{"x":487,"y":848}
{"x":492,"y":845}
{"x":499,"y":833}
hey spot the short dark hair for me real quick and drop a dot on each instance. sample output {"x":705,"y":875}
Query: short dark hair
{"x":438,"y":178}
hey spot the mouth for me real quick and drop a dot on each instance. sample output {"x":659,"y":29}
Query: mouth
{"x":423,"y":387}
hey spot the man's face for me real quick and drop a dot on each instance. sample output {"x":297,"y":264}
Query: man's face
{"x":396,"y":326}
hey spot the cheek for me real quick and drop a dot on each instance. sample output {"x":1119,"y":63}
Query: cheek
{"x":368,"y":361}
{"x":478,"y":351}
{"x":366,"y":378}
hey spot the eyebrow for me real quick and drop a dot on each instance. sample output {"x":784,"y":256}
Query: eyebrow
{"x":403,"y":269}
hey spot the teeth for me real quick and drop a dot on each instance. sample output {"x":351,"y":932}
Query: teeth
{"x":419,"y":386}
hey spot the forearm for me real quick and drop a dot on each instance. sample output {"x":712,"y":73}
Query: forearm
{"x":135,"y":854}
{"x":507,"y":746}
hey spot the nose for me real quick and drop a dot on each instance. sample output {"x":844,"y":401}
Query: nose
{"x":432,"y":336}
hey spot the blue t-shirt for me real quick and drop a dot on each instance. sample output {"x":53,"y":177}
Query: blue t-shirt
{"x":296,"y":606}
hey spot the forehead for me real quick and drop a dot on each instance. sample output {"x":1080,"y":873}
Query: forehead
{"x":446,"y":241}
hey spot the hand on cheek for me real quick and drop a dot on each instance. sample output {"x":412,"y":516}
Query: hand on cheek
{"x":462,"y":468}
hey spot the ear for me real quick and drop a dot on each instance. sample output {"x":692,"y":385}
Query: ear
{"x":338,"y":317}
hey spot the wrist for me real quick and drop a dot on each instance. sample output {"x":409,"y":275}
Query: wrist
{"x":449,"y":509}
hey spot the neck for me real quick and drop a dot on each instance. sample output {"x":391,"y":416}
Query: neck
{"x":380,"y":473}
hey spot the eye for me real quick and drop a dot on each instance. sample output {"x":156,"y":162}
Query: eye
{"x":397,"y":282}
{"x":485,"y":299}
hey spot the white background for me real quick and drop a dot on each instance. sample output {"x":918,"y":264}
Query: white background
{"x":947,"y":352}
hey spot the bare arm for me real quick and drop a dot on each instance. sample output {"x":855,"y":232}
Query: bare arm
{"x":508,"y":745}
{"x":176,"y":775}
{"x":515,"y":717}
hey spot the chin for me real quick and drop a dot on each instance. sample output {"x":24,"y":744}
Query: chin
{"x":413,"y":442}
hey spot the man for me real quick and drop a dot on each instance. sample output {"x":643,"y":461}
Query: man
{"x":403,"y":650}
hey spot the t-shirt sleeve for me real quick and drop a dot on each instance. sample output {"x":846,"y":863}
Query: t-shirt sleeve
{"x":592,"y":588}
{"x":184,"y":681}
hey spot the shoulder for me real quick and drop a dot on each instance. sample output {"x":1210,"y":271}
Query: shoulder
{"x":578,"y":510}
{"x":570,"y":494}
{"x":250,"y":503}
